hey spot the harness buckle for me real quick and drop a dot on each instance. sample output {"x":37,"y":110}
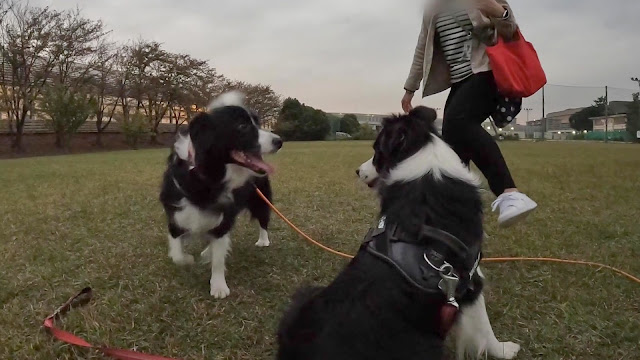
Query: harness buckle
{"x":449,"y":284}
{"x":449,"y":281}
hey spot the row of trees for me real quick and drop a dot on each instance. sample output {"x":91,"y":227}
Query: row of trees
{"x":633,"y":117}
{"x":582,"y":119}
{"x":299,"y":122}
{"x":62,"y":65}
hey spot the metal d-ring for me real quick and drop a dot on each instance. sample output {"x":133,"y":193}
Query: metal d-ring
{"x":449,"y":280}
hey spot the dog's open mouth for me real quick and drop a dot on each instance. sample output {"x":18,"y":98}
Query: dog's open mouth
{"x":252,"y":161}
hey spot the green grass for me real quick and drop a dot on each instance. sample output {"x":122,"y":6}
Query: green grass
{"x":94,"y":220}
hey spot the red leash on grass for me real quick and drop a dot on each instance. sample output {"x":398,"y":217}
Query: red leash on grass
{"x":82,"y":298}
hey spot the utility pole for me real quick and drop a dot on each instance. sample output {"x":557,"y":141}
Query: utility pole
{"x":637,"y":80}
{"x":543,"y":122}
{"x":606,"y":114}
{"x":527,"y":110}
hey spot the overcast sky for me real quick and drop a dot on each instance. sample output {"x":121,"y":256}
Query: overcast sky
{"x":354,"y":55}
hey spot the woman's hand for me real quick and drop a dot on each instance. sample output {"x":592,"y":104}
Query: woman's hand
{"x":406,"y":101}
{"x":490,"y":8}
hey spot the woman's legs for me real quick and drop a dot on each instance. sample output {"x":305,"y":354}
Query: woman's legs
{"x":470,"y":103}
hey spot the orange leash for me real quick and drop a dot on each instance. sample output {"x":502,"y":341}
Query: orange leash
{"x":486,"y":260}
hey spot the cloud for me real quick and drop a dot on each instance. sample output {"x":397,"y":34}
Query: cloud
{"x":353,"y":56}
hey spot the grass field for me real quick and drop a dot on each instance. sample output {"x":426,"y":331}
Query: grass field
{"x":94,"y":220}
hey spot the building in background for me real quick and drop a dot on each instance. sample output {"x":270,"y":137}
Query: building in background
{"x":534,"y":129}
{"x":375,"y":120}
{"x":615,"y":124}
{"x":512,"y":129}
{"x":372,"y":120}
{"x":555,"y":126}
{"x":558,"y":122}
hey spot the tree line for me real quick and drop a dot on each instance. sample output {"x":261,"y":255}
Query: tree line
{"x":62,"y":66}
{"x":299,"y":122}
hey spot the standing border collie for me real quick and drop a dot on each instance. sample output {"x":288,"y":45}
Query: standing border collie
{"x":210,"y":179}
{"x":398,"y":297}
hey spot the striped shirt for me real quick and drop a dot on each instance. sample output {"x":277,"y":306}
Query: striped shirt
{"x":452,"y":40}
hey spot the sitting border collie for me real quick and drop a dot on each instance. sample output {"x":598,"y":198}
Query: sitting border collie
{"x":474,"y":334}
{"x":400,"y":295}
{"x":211,"y":177}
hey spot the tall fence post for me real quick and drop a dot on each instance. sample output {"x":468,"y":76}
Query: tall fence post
{"x":606,"y":114}
{"x":543,"y":121}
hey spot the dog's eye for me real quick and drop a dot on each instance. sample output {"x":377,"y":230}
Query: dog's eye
{"x":244,"y":127}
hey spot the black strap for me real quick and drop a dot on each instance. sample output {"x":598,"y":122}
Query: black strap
{"x":461,"y":250}
{"x":395,"y":234}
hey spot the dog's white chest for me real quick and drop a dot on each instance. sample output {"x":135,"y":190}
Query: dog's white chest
{"x":236,"y":176}
{"x":195,"y":220}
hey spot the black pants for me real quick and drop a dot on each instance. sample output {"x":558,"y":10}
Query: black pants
{"x":471,"y":102}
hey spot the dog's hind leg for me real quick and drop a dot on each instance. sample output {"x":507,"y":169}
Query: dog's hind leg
{"x":176,"y":252}
{"x":260,"y":211}
{"x":475,"y":337}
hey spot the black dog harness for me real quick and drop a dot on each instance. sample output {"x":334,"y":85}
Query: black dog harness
{"x":436,"y":262}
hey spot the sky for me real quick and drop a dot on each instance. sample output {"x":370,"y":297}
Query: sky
{"x":354,"y":55}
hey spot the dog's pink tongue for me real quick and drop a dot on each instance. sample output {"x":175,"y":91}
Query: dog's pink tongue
{"x":261,"y":164}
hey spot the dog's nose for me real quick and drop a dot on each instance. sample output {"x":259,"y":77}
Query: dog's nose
{"x":358,"y":172}
{"x":277,"y":143}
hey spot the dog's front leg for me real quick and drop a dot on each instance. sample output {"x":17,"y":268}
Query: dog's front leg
{"x":219,"y":247}
{"x":475,"y":337}
{"x":176,"y":252}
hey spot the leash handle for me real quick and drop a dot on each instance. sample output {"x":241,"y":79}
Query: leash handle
{"x":80,"y":299}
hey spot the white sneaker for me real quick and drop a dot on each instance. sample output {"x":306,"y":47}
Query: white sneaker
{"x":514,"y":207}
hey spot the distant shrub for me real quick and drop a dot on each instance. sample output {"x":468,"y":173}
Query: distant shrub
{"x":66,"y":111}
{"x":134,"y":129}
{"x":365,"y":133}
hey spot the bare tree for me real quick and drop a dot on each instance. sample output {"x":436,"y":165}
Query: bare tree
{"x":5,"y":6}
{"x":125,"y":82}
{"x":27,"y":60}
{"x":194,"y":85}
{"x":77,"y":41}
{"x":106,"y":87}
{"x":146,"y":65}
{"x":262,"y":99}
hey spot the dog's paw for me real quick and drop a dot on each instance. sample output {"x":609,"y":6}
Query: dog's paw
{"x":505,"y":350}
{"x":219,"y":289}
{"x":183,"y":259}
{"x":263,"y":243}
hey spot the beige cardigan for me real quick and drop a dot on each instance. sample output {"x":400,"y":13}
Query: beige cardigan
{"x":429,"y":63}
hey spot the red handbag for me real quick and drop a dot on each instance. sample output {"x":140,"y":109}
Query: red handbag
{"x":516,"y":67}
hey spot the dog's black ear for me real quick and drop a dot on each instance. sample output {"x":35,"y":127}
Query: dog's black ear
{"x":201,"y":132}
{"x":197,"y":124}
{"x":424,"y":113}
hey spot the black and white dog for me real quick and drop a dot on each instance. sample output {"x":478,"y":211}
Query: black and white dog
{"x":210,"y":179}
{"x":473,"y":331}
{"x":398,"y":297}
